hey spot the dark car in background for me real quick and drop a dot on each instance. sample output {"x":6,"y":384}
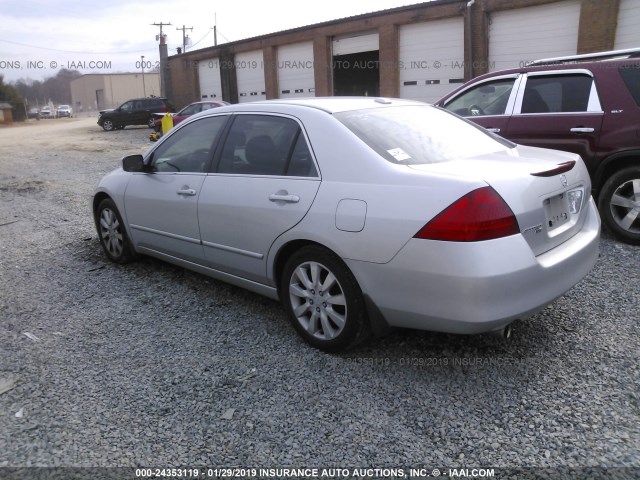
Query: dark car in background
{"x":586,"y":104}
{"x":137,"y":111}
{"x":189,"y":110}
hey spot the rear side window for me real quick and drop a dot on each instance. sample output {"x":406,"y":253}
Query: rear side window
{"x":266,"y":145}
{"x":557,"y":93}
{"x":631,"y":76}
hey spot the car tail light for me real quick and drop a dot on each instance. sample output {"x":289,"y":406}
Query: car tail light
{"x":480,"y":215}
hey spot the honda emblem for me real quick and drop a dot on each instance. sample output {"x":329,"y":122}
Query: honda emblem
{"x":563,"y":180}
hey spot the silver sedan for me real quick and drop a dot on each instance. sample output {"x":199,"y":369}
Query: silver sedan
{"x":359,"y":214}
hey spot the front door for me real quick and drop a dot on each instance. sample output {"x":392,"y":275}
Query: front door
{"x":489,"y":104}
{"x":162,"y":206}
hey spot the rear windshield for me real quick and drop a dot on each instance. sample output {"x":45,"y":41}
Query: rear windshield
{"x":413,"y":135}
{"x":631,"y":76}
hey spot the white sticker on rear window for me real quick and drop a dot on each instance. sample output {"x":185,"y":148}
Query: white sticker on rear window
{"x":399,"y":154}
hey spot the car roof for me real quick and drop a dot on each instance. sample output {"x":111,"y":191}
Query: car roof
{"x":327,"y":104}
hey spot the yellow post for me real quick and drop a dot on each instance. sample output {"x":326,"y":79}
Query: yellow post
{"x":167,"y":123}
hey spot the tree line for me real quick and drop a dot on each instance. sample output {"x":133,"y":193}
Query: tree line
{"x":25,"y":94}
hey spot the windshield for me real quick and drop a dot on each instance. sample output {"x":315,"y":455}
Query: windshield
{"x":420,"y":134}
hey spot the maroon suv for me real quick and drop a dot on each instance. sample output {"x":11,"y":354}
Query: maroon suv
{"x":578,"y":104}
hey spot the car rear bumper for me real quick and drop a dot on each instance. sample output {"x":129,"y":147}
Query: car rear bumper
{"x":475,"y":287}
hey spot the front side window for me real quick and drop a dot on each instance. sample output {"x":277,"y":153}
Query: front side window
{"x":127,"y":107}
{"x":489,"y":98}
{"x":416,"y":135}
{"x":556,"y":94}
{"x":266,"y":145}
{"x":190,"y":148}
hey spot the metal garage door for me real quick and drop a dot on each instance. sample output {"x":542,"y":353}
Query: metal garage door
{"x":628,"y":32}
{"x":431,"y":58}
{"x":362,"y":43}
{"x":250,"y":75}
{"x":295,"y":70}
{"x":526,"y":34}
{"x":209,"y":75}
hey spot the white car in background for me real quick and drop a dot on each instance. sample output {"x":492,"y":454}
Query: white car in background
{"x":358,"y":214}
{"x":64,"y":111}
{"x":47,"y":112}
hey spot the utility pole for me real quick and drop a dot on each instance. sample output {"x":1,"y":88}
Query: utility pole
{"x":165,"y":74}
{"x":215,"y":29}
{"x":161,"y":25}
{"x":184,"y":37}
{"x":144,"y":88}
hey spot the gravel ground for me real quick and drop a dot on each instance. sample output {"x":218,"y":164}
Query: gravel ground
{"x":150,"y":365}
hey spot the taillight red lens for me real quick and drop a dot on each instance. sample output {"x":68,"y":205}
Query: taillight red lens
{"x":480,"y":215}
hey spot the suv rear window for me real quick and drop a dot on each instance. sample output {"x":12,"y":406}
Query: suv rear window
{"x":631,"y":76}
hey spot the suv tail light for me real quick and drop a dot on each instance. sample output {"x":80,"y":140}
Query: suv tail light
{"x":480,"y":215}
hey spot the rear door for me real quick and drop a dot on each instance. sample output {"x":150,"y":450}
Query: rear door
{"x":559,"y":110}
{"x":264,"y":184}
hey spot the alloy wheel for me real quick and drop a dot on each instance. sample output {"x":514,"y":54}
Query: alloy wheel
{"x":318,"y":300}
{"x":111,"y":233}
{"x":625,"y":206}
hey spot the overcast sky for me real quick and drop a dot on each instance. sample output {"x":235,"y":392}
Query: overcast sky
{"x":39,"y":37}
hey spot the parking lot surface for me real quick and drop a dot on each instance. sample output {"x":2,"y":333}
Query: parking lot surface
{"x":149,"y":365}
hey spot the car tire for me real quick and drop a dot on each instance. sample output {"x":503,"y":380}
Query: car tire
{"x":151,"y":123}
{"x":108,"y":125}
{"x":333,"y":319}
{"x":112,"y":234}
{"x":619,"y":204}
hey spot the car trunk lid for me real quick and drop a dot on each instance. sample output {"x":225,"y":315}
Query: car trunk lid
{"x":547,"y":190}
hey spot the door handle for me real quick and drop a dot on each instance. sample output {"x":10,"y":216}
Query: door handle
{"x":275,"y":197}
{"x":582,"y":130}
{"x":494,"y":130}
{"x":187,"y":192}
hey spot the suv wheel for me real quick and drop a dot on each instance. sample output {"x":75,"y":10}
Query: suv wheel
{"x":151,"y":123}
{"x":108,"y":125}
{"x":619,"y":204}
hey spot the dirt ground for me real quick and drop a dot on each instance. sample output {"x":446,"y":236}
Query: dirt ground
{"x":64,"y":134}
{"x":147,"y":364}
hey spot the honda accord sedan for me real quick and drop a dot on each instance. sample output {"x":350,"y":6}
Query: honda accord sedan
{"x":358,"y":214}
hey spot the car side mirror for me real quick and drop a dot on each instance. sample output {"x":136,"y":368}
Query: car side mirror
{"x":134,"y":163}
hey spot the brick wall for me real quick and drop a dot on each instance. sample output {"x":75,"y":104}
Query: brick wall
{"x":597,"y":32}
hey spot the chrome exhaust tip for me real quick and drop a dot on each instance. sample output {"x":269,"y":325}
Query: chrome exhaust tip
{"x":504,"y":332}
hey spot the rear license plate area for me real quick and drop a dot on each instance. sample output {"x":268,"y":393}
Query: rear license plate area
{"x":556,"y":211}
